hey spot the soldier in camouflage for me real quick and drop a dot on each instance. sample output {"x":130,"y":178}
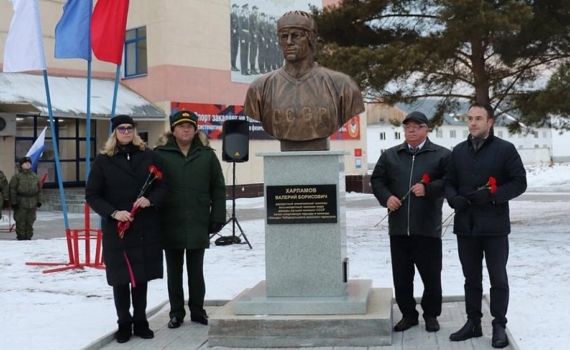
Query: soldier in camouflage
{"x":3,"y":191}
{"x":25,"y":197}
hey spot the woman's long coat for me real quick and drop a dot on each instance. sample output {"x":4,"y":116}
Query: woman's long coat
{"x":114,"y":184}
{"x":196,"y":196}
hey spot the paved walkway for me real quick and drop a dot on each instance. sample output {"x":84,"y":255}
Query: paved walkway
{"x":192,"y":336}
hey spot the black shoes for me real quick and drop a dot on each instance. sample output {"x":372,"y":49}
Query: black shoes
{"x":175,"y":322}
{"x":471,"y":329}
{"x":499,"y":339}
{"x":141,"y":329}
{"x":431,"y":324}
{"x":405,"y":323}
{"x":124,"y":333}
{"x":203,"y":319}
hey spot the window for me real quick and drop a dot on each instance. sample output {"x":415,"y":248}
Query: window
{"x":535,"y":133}
{"x":439,"y":133}
{"x":452,"y":134}
{"x":382,"y":136}
{"x":71,"y":144}
{"x":535,"y":146}
{"x":382,"y":151}
{"x":544,"y":134}
{"x":501,"y":134}
{"x":465,"y":133}
{"x":397,"y":135}
{"x":135,"y":52}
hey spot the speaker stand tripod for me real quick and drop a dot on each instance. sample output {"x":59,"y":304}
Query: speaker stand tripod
{"x":235,"y":239}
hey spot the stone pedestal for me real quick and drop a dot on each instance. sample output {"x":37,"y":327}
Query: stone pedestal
{"x":307,"y":298}
{"x":305,"y":259}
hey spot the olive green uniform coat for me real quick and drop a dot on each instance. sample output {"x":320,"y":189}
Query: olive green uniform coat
{"x":25,"y":198}
{"x":196,"y":197}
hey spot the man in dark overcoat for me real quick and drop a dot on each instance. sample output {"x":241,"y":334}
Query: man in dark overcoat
{"x":194,"y":208}
{"x":482,"y":223}
{"x":414,"y":221}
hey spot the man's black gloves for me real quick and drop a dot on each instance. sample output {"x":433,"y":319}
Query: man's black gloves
{"x":215,"y":227}
{"x":479,"y":197}
{"x":39,"y":204}
{"x":458,"y":203}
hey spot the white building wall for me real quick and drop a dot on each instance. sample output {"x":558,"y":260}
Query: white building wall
{"x":560,"y":146}
{"x":534,"y":147}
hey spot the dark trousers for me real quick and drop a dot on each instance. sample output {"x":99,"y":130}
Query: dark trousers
{"x":122,"y":295}
{"x":496,"y":251}
{"x":243,"y":54}
{"x":409,"y":252}
{"x":196,"y":284}
{"x":234,"y":43}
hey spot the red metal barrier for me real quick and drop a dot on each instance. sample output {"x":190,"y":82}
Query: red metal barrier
{"x":73,"y":238}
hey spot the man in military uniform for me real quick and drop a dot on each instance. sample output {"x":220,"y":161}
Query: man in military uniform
{"x":263,"y":44}
{"x":302,"y":104}
{"x":253,"y":35}
{"x":26,"y":198}
{"x":244,"y":39}
{"x":3,"y":191}
{"x":234,"y":35}
{"x":275,"y":56}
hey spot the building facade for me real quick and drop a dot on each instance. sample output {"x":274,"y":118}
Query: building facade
{"x":179,"y":54}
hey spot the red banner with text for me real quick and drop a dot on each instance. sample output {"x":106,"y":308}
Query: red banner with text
{"x":212,"y":116}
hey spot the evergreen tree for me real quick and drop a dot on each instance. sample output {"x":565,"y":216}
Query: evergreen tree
{"x":513,"y":54}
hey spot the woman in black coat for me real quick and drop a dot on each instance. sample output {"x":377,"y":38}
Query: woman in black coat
{"x":113,"y":189}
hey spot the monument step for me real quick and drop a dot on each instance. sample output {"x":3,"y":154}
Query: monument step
{"x":269,"y":331}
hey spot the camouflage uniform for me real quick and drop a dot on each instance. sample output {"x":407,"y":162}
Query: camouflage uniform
{"x":25,"y":197}
{"x":3,"y":190}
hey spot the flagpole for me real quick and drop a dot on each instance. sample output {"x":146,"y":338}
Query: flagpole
{"x":88,"y":121}
{"x":115,"y":93}
{"x":56,"y":152}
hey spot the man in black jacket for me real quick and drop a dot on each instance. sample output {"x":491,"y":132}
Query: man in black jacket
{"x":482,"y":222}
{"x":414,"y":218}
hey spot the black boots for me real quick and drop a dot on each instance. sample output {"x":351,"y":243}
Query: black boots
{"x":471,"y":329}
{"x":499,"y":339}
{"x":141,"y":329}
{"x":124,"y":333}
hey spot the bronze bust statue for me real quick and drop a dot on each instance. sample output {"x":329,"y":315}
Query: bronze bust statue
{"x":302,"y":104}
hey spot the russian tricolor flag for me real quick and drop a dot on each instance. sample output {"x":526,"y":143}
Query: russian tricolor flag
{"x":79,"y":31}
{"x":37,"y":149}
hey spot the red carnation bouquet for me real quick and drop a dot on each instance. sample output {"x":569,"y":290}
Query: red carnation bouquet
{"x":425,"y":180}
{"x":122,"y":226}
{"x":153,"y":174}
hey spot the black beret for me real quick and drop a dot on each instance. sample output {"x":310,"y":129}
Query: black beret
{"x":122,"y":119}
